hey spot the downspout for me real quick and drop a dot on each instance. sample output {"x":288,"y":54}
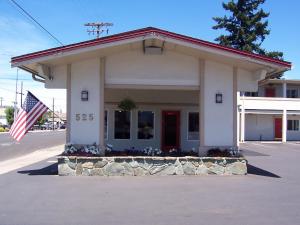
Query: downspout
{"x":271,"y":75}
{"x":34,"y":74}
{"x":34,"y":77}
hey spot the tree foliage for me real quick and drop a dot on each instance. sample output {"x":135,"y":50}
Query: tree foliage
{"x":247,"y":27}
{"x":9,"y":113}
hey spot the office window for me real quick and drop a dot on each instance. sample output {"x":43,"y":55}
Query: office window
{"x":122,"y":125}
{"x":293,"y":125}
{"x":145,"y":125}
{"x":292,"y":93}
{"x":193,"y":126}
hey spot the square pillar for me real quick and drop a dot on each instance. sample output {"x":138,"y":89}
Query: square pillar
{"x":101,"y":105}
{"x":242,"y":121}
{"x":68,"y":99}
{"x":284,"y":89}
{"x":201,"y":107}
{"x":235,"y":140}
{"x":284,"y":126}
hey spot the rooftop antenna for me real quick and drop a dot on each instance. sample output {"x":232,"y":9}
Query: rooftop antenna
{"x":98,"y":28}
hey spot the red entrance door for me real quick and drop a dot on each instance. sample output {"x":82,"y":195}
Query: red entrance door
{"x":170,"y":136}
{"x":278,"y":128}
{"x":270,"y":92}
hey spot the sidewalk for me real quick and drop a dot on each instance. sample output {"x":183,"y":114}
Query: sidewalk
{"x":36,"y":131}
{"x":31,"y":158}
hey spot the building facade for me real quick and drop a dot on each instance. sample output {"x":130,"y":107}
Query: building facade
{"x":185,"y":89}
{"x":272,"y":113}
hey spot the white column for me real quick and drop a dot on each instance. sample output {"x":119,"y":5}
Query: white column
{"x":235,"y":140}
{"x":243,"y":120}
{"x":238,"y":120}
{"x":284,"y":89}
{"x":201,"y":107}
{"x":68,"y":130}
{"x":101,"y":104}
{"x":284,"y":125}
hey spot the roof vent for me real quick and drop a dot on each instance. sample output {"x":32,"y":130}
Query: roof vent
{"x":153,"y":50}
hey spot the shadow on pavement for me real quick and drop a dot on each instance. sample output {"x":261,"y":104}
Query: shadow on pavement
{"x":49,"y":170}
{"x":260,"y":172}
{"x":247,"y":152}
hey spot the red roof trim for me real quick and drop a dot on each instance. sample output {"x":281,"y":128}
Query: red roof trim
{"x":139,"y":33}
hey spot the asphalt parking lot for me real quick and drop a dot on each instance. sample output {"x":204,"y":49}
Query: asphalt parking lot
{"x":269,"y":194}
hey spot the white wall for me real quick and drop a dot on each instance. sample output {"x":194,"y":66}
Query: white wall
{"x":59,"y":74}
{"x":134,"y":67}
{"x":245,"y":81}
{"x":153,"y":96}
{"x":85,"y":75}
{"x":218,"y":118}
{"x":259,"y":127}
{"x":293,"y":135}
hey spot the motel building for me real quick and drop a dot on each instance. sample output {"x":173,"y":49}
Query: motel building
{"x":189,"y":94}
{"x":272,"y":113}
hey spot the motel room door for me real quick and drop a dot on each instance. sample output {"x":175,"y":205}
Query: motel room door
{"x":170,"y":136}
{"x":278,"y":128}
{"x":270,"y":92}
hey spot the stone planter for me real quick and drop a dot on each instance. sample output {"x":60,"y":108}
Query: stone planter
{"x":146,"y":166}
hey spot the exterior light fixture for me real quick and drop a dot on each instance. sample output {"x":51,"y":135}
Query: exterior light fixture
{"x":84,"y":95}
{"x":219,"y":98}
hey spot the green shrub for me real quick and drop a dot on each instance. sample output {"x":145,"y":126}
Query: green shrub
{"x":2,"y":129}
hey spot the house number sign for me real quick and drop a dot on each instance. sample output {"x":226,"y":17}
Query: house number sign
{"x":84,"y":117}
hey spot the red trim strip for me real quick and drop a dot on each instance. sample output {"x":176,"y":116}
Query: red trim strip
{"x":139,"y":33}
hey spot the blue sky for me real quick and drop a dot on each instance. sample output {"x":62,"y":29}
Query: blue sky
{"x":65,"y":19}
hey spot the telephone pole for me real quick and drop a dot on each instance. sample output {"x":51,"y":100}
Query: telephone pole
{"x":98,"y":28}
{"x":1,"y":99}
{"x":21,"y":93}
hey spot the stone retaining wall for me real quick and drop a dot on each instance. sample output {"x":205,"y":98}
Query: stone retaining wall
{"x":143,"y":166}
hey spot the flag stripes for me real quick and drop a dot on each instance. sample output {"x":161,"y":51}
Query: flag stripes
{"x":31,"y":110}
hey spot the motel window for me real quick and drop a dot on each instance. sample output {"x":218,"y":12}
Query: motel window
{"x":122,"y":125}
{"x":145,"y":125}
{"x":105,"y":124}
{"x":193,"y":126}
{"x":291,"y":93}
{"x":293,"y":125}
{"x":251,"y":94}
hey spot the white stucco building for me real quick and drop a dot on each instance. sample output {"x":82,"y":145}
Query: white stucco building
{"x":271,"y":113}
{"x":186,"y":90}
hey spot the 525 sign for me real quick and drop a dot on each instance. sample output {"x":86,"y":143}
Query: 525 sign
{"x":84,"y":117}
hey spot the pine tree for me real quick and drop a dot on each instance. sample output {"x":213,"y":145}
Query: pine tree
{"x":247,"y":27}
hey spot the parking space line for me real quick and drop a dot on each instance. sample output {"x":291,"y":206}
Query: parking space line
{"x":258,"y":144}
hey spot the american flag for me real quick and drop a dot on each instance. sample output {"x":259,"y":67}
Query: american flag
{"x":29,"y":113}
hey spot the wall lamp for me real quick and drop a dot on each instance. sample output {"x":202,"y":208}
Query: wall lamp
{"x":219,"y":98}
{"x":84,"y":95}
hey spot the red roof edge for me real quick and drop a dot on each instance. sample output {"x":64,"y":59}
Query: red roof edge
{"x":143,"y":32}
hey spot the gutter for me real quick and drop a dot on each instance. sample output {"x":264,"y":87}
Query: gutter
{"x":35,"y":75}
{"x":271,"y":75}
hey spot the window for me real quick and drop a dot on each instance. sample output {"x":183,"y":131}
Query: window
{"x":293,"y":125}
{"x":251,"y":94}
{"x":291,"y":93}
{"x":145,"y":125}
{"x":122,"y":125}
{"x":105,"y":125}
{"x":193,"y":126}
